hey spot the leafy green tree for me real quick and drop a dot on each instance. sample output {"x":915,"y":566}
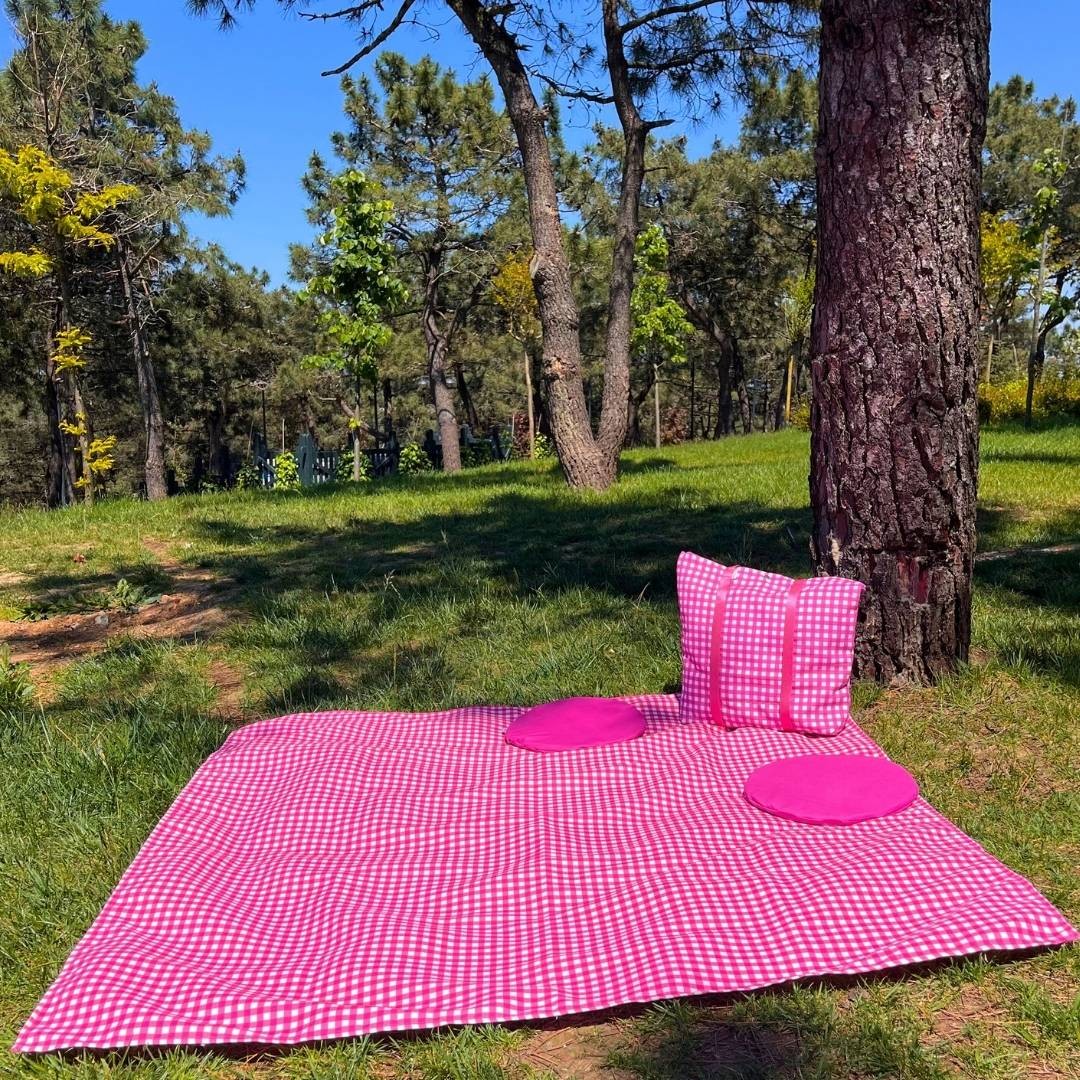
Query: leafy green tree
{"x":70,"y":90}
{"x":625,"y":56}
{"x":732,"y":270}
{"x":222,"y":338}
{"x":660,"y":328}
{"x":443,"y":154}
{"x":62,"y":220}
{"x":1031,"y":175}
{"x":513,"y":293}
{"x":356,"y":288}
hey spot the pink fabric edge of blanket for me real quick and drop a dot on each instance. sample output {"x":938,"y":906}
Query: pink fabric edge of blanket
{"x":1040,"y":927}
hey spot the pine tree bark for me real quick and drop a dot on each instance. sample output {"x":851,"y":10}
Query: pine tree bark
{"x":438,"y":346}
{"x":587,"y":461}
{"x":149,"y":399}
{"x":895,"y":354}
{"x":60,"y":469}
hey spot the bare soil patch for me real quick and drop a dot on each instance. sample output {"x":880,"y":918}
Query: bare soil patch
{"x":190,"y":610}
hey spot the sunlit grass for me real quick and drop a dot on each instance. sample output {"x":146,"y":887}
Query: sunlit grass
{"x":502,"y":585}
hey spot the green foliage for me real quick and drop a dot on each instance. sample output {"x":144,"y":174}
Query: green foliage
{"x":514,"y":294}
{"x":344,"y":471}
{"x":477,"y":453}
{"x":356,"y":281}
{"x":660,"y":327}
{"x":46,"y":196}
{"x":1008,"y":259}
{"x":25,"y":264}
{"x":797,"y":308}
{"x":413,"y":460}
{"x":129,"y":596}
{"x":286,"y":472}
{"x":543,"y":449}
{"x":800,"y":416}
{"x":247,"y":477}
{"x":1054,"y":397}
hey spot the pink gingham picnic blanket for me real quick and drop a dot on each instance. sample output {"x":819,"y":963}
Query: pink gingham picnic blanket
{"x":333,"y":874}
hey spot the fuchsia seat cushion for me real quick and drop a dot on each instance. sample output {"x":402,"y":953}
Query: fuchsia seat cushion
{"x":764,"y":650}
{"x":575,"y":724}
{"x":831,"y":789}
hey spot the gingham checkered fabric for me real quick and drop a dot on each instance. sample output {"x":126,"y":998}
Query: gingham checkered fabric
{"x":327,"y":875}
{"x":744,"y":661}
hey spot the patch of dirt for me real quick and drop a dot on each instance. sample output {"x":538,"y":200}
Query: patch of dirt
{"x":190,"y":610}
{"x":972,"y":1016}
{"x":578,"y":1052}
{"x":230,"y":691}
{"x":969,"y":1005}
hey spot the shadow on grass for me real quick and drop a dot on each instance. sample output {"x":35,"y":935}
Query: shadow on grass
{"x":527,"y":542}
{"x":1035,"y":621}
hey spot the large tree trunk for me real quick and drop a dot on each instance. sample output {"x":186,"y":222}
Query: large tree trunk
{"x":149,"y":400}
{"x":895,"y":331}
{"x":586,"y":461}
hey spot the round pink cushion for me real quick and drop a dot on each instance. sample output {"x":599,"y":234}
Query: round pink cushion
{"x":831,"y":789}
{"x":575,"y":723}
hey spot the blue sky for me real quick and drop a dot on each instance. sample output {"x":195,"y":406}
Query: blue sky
{"x":257,"y":89}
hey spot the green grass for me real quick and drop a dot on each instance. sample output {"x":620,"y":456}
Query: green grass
{"x":502,"y":585}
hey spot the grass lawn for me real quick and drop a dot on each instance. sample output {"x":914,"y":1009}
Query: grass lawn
{"x":501,"y":585}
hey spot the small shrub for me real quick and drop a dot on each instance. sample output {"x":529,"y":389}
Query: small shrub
{"x":126,"y":596}
{"x":800,"y":416}
{"x":344,"y":472}
{"x":543,"y":448}
{"x":286,"y":472}
{"x":1054,"y":397}
{"x":248,"y":478}
{"x":413,"y":460}
{"x":479,"y":453}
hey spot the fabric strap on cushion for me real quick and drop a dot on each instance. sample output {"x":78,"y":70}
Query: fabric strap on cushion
{"x":727,"y":575}
{"x":787,"y":671}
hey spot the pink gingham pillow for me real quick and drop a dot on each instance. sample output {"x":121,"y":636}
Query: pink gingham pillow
{"x":780,"y":654}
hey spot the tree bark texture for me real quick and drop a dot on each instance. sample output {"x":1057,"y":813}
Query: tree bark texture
{"x":438,"y":347}
{"x":149,"y":399}
{"x":895,"y":353}
{"x":586,"y":461}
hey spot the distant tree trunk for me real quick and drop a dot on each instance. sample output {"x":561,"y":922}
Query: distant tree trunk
{"x":656,"y":403}
{"x":60,"y":471}
{"x":388,"y":409}
{"x":529,"y":399}
{"x":693,"y":399}
{"x":586,"y":461}
{"x":82,"y":418}
{"x":738,"y":374}
{"x":1034,"y":369}
{"x":472,"y":417}
{"x":637,"y":399}
{"x":219,"y":457}
{"x":442,"y":395}
{"x":57,"y":480}
{"x":149,"y":399}
{"x":903,"y":96}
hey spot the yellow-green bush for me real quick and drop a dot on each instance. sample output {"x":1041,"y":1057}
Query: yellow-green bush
{"x":800,"y":416}
{"x":1054,"y":396}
